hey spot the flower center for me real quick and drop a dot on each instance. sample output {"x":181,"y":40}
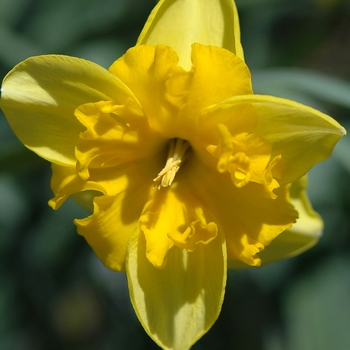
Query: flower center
{"x":176,"y":156}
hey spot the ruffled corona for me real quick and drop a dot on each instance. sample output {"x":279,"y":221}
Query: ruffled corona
{"x":247,"y":157}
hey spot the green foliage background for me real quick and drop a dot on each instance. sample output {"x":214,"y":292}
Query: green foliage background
{"x":55,"y":294}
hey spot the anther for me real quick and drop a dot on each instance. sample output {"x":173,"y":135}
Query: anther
{"x":177,"y":150}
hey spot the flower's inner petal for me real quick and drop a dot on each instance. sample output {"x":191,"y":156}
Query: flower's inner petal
{"x":65,"y":181}
{"x":303,"y":235}
{"x":156,"y":221}
{"x":147,"y":70}
{"x":109,"y":228}
{"x":179,"y":24}
{"x":247,"y":157}
{"x":259,"y":220}
{"x":199,"y":231}
{"x":173,"y":99}
{"x":237,"y":118}
{"x":125,"y":189}
{"x":114,"y":135}
{"x":116,"y":214}
{"x":174,"y":217}
{"x":179,"y":303}
{"x":300,"y":134}
{"x":248,"y":217}
{"x":222,"y":74}
{"x":39,"y":97}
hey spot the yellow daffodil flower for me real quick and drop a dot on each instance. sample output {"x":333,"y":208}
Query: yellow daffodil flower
{"x":193,"y":172}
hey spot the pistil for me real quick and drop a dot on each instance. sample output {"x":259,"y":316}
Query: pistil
{"x":176,"y":156}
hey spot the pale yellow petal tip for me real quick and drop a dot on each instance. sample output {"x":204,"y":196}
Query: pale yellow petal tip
{"x":341,"y":130}
{"x":179,"y":24}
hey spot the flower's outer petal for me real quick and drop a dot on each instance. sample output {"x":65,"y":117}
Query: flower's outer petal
{"x":178,"y":304}
{"x":179,"y":24}
{"x":39,"y":97}
{"x":303,"y":235}
{"x":302,"y":135}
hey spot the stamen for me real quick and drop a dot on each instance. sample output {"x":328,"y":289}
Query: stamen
{"x":177,"y":150}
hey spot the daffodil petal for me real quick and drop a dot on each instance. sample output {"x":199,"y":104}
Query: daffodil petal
{"x":179,"y":24}
{"x":148,"y":78}
{"x":256,"y":225}
{"x":156,"y":221}
{"x":221,"y":72}
{"x":111,"y":181}
{"x":116,"y":215}
{"x":237,"y":118}
{"x":179,"y":303}
{"x":39,"y":97}
{"x":303,"y":235}
{"x":109,"y":140}
{"x":302,"y":135}
{"x":173,"y":99}
{"x":107,"y":231}
{"x":249,"y":219}
{"x":65,"y":181}
{"x":191,"y":226}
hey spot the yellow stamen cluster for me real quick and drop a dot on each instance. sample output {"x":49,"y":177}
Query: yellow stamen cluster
{"x":177,"y":150}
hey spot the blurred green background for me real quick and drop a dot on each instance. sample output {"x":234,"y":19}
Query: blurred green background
{"x":55,"y":294}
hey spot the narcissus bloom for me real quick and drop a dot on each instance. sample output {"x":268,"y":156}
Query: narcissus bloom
{"x":193,"y":172}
